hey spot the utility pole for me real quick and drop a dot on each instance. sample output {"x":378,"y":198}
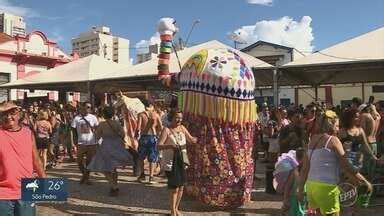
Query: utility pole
{"x":180,"y":44}
{"x":275,"y":87}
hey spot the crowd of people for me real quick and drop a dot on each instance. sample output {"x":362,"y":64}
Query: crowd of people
{"x":328,"y":145}
{"x":325,"y":141}
{"x":96,"y":138}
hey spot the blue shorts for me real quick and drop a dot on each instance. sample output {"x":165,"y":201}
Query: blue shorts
{"x":17,"y":207}
{"x":147,"y":148}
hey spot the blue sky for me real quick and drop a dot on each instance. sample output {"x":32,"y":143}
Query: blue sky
{"x":331,"y":21}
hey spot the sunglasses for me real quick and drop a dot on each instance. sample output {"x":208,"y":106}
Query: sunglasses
{"x":11,"y":112}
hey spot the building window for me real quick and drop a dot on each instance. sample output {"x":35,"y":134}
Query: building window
{"x":378,"y":89}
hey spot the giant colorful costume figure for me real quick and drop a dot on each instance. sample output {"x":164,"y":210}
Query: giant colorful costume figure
{"x":217,"y":99}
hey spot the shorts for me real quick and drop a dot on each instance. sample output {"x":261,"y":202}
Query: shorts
{"x":42,"y":143}
{"x":369,"y":164}
{"x":17,"y":207}
{"x":323,"y":196}
{"x":148,"y":148}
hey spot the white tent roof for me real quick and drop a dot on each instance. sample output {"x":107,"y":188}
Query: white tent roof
{"x":96,"y":68}
{"x":85,"y":69}
{"x":149,"y":68}
{"x":364,"y":48}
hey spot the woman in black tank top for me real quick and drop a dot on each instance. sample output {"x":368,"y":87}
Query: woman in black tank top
{"x":354,"y":139}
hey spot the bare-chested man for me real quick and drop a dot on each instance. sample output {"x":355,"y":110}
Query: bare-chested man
{"x":149,"y":127}
{"x":370,"y":122}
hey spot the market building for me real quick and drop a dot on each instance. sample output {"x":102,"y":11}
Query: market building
{"x":22,"y":56}
{"x":333,"y":75}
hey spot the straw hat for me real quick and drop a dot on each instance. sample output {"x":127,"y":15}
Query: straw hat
{"x":7,"y":105}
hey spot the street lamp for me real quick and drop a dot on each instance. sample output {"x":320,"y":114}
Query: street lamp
{"x":190,"y":31}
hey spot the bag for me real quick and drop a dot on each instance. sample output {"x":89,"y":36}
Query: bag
{"x":115,"y":132}
{"x":185,"y":158}
{"x":177,"y":176}
{"x":184,"y":154}
{"x":89,"y":124}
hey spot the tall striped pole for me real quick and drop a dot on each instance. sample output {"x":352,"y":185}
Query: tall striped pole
{"x":166,"y":28}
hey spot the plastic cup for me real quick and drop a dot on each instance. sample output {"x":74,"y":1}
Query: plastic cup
{"x":364,"y":197}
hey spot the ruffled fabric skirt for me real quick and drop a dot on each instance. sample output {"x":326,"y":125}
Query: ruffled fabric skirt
{"x":110,"y":155}
{"x":221,"y":171}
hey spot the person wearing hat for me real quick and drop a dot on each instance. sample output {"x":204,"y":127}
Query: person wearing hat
{"x":18,"y":159}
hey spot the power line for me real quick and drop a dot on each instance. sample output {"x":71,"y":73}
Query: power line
{"x":338,"y":57}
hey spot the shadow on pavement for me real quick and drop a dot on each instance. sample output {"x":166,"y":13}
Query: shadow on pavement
{"x":138,"y":198}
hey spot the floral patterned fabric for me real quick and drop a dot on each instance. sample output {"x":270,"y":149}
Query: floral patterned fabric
{"x":217,"y":99}
{"x":221,"y":171}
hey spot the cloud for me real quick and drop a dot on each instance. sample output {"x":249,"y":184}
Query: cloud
{"x":143,"y":45}
{"x":261,"y":2}
{"x":284,"y":31}
{"x":7,"y":6}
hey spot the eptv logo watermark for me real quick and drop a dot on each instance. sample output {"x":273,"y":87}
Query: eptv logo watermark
{"x":348,"y":194}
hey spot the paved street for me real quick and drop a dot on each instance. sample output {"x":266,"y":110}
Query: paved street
{"x":142,"y":199}
{"x":138,"y":198}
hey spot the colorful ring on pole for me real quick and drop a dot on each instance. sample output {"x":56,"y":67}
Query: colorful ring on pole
{"x":163,"y":61}
{"x":164,"y":56}
{"x":165,"y":50}
{"x":166,"y":37}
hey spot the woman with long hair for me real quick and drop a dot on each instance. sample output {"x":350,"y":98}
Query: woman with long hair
{"x":43,"y":130}
{"x":354,"y":139}
{"x":324,"y":162}
{"x":111,"y":153}
{"x":173,"y":141}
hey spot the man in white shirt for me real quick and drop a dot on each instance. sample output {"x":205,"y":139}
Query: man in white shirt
{"x":84,"y":126}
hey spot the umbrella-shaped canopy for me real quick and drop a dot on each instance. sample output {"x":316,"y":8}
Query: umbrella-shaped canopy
{"x":107,"y":76}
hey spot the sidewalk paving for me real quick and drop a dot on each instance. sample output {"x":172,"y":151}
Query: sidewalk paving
{"x":144,"y":199}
